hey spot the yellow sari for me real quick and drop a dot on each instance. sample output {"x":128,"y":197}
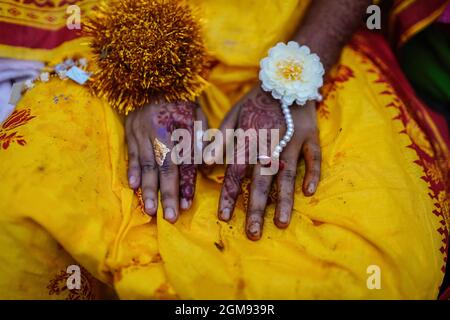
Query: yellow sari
{"x":381,"y":201}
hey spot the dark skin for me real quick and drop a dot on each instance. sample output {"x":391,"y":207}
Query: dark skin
{"x":325,"y":29}
{"x":175,"y":183}
{"x":257,"y":110}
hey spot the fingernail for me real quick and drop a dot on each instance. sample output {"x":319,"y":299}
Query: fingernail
{"x":225,"y":214}
{"x":284,"y":217}
{"x":185,"y":204}
{"x":169,"y":214}
{"x":149,"y":206}
{"x":311,"y":188}
{"x":254,"y":229}
{"x":132,"y":180}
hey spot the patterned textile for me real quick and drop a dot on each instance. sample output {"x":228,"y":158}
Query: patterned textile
{"x":382,"y":199}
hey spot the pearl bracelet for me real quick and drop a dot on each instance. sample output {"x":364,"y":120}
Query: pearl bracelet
{"x":292,"y":74}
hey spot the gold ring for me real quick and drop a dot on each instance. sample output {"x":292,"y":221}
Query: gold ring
{"x":160,"y":150}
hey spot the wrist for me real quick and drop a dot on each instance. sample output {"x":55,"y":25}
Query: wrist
{"x":327,"y":49}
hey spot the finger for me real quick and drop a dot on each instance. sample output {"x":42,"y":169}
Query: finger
{"x":200,"y":116}
{"x":134,"y":169}
{"x":234,"y":175}
{"x":149,"y":174}
{"x":169,"y":187}
{"x":259,"y":192}
{"x":199,"y":143}
{"x":188,"y":174}
{"x":313,"y":157}
{"x":286,"y":185}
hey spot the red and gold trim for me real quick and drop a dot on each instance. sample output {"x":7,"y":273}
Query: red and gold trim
{"x":34,"y":38}
{"x":408,"y":17}
{"x":45,"y":14}
{"x":30,"y":29}
{"x":427,"y":141}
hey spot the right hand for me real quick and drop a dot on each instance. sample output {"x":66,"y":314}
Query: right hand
{"x":258,"y":110}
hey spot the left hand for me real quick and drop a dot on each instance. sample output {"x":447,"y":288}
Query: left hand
{"x":258,"y":110}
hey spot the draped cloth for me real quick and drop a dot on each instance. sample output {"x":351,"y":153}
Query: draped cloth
{"x":382,"y":200}
{"x":409,"y":17}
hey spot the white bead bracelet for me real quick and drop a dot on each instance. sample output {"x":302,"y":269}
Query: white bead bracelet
{"x":292,"y":74}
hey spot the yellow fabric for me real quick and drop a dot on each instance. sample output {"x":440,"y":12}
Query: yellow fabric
{"x":64,"y":186}
{"x":52,"y":57}
{"x":50,"y":16}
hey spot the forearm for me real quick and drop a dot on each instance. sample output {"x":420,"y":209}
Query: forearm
{"x":328,"y":25}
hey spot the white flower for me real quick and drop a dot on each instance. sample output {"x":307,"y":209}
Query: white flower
{"x":292,"y":73}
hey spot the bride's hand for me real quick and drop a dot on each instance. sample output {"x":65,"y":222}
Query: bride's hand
{"x":258,"y":110}
{"x":176,"y":183}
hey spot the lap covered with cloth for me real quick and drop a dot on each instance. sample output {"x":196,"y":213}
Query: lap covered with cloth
{"x":381,"y":203}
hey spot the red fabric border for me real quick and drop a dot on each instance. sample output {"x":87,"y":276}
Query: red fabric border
{"x":445,"y":295}
{"x":412,"y":15}
{"x":34,"y":38}
{"x":376,"y":49}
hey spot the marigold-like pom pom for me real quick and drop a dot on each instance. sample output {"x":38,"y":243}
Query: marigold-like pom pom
{"x":146,"y":51}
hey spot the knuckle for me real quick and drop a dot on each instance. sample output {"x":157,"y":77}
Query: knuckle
{"x":148,"y":190}
{"x":145,"y":160}
{"x":148,"y":166}
{"x":315,"y":172}
{"x":289,"y":174}
{"x":286,"y":194}
{"x":134,"y":168}
{"x":262,"y":186}
{"x":255,"y":213}
{"x":167,"y":196}
{"x":317,"y":156}
{"x":314,"y":145}
{"x":133,"y":164}
{"x":167,"y":168}
{"x":286,"y":201}
{"x":130,"y":139}
{"x":309,"y":129}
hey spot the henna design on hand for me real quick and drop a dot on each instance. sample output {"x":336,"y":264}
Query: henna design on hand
{"x":176,"y":116}
{"x":261,"y":112}
{"x":258,"y":111}
{"x":181,"y":116}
